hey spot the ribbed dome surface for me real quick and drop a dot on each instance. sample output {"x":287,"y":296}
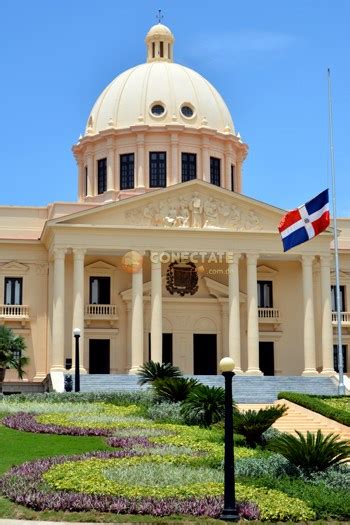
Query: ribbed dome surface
{"x":128,"y":99}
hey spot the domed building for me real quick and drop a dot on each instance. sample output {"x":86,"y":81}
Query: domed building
{"x":162,"y":257}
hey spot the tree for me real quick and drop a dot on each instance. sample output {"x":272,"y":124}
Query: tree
{"x":313,"y":452}
{"x":12,"y":348}
{"x":204,"y":405}
{"x":253,"y":423}
{"x":151,"y":371}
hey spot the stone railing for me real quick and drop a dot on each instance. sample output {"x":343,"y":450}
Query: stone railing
{"x":344,"y":317}
{"x":108,"y":312}
{"x":14,"y":312}
{"x":269,"y":315}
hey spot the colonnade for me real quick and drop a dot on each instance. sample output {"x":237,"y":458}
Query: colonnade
{"x":136,"y":324}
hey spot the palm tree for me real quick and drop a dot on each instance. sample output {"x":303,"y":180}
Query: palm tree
{"x":12,"y":348}
{"x":152,"y":370}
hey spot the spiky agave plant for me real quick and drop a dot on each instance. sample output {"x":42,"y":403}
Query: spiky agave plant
{"x":151,"y":371}
{"x":314,"y":452}
{"x":253,"y":423}
{"x":205,"y":405}
{"x":174,"y":389}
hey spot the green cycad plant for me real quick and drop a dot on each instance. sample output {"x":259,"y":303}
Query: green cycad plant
{"x":313,"y":452}
{"x":204,"y":405}
{"x":12,"y":348}
{"x":253,"y":423}
{"x":151,"y":371}
{"x":174,"y":389}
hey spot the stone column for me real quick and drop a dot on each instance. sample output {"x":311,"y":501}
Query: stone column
{"x":81,"y":181}
{"x":140,"y":180}
{"x":205,"y":160}
{"x":309,"y":320}
{"x":110,"y":168}
{"x":253,"y":321}
{"x":90,"y":177}
{"x":156,"y":310}
{"x":175,"y":172}
{"x":238,"y":173}
{"x":78,"y":303}
{"x":228,"y":163}
{"x":234,"y":328}
{"x":57,"y":361}
{"x":327,"y":329}
{"x":137,"y":321}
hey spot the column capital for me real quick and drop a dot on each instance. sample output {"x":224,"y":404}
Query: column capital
{"x":325,"y":260}
{"x":58,"y":252}
{"x":307,"y":260}
{"x":252,"y":258}
{"x":233,"y":258}
{"x":78,"y":253}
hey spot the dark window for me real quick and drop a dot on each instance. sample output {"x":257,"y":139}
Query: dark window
{"x":100,"y":290}
{"x":157,"y":110}
{"x":161,"y":48}
{"x":127,"y":171}
{"x":265,"y":294}
{"x":189,"y":166}
{"x":86,"y":180}
{"x":187,"y":111}
{"x":153,"y":49}
{"x":342,"y":298}
{"x":232,"y":177}
{"x":215,"y":171}
{"x":335,"y":357}
{"x":13,"y":290}
{"x":101,"y":175}
{"x":169,"y":52}
{"x":157,"y":168}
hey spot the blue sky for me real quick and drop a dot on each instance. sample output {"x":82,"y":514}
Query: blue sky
{"x":268,"y":60}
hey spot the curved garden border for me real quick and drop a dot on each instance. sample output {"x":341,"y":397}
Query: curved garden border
{"x":24,"y":485}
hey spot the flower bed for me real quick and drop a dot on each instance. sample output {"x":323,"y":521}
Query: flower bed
{"x":24,"y":485}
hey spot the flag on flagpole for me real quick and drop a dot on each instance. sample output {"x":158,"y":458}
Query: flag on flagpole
{"x":305,"y":222}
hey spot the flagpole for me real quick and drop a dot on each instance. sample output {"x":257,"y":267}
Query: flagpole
{"x":341,"y":386}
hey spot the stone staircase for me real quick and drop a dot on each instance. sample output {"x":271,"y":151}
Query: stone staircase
{"x":246,"y":389}
{"x":303,"y":420}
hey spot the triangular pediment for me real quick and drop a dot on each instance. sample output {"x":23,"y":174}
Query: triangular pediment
{"x":264,"y":270}
{"x":14,"y":266}
{"x":191,"y":205}
{"x":99,"y":265}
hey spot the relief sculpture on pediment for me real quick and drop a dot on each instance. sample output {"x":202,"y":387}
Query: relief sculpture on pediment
{"x":194,"y":211}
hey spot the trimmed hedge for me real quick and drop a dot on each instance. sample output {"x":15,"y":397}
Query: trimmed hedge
{"x":315,"y":403}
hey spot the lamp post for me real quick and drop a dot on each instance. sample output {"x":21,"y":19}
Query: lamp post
{"x":230,"y":511}
{"x":76,"y":333}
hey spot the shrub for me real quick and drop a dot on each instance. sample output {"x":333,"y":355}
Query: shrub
{"x":174,"y":389}
{"x":151,"y":371}
{"x":317,"y":404}
{"x":165,"y":413}
{"x":274,"y":465}
{"x":333,"y":478}
{"x":204,"y":406}
{"x":253,"y":423}
{"x":313,"y":453}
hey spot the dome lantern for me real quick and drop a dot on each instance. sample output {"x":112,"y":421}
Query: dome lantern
{"x":160,"y":43}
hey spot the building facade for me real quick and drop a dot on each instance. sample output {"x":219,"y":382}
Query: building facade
{"x":162,"y":256}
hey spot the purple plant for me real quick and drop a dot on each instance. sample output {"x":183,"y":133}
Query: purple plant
{"x":27,"y":422}
{"x":128,"y":442}
{"x":24,"y":485}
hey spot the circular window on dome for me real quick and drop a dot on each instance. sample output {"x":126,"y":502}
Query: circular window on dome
{"x":187,"y":111}
{"x":158,"y":110}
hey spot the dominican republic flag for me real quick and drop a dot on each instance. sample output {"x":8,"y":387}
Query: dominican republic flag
{"x":303,"y":223}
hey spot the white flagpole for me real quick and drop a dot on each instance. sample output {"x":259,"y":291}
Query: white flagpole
{"x":341,"y":386}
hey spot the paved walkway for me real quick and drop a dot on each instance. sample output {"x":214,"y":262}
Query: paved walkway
{"x":302,"y":419}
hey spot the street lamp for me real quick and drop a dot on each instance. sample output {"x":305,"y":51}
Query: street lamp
{"x":230,"y":511}
{"x":76,"y":333}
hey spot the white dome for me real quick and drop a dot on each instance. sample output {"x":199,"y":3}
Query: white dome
{"x":128,"y":99}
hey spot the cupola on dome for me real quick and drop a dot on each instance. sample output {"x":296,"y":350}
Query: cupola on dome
{"x":158,"y":93}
